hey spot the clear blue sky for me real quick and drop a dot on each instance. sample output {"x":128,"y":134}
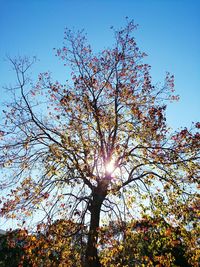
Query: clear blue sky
{"x":169,"y":32}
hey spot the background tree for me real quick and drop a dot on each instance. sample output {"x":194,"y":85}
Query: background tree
{"x":50,"y":246}
{"x":151,"y":241}
{"x":53,"y":246}
{"x":96,"y":144}
{"x":12,"y":252}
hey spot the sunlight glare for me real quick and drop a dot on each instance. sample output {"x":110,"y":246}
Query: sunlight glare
{"x":110,"y":166}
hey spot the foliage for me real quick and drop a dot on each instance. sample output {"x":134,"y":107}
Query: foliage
{"x":97,"y":145}
{"x":150,"y":241}
{"x":12,"y":252}
{"x":50,"y":246}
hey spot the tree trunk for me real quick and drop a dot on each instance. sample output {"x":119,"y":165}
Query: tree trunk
{"x":91,"y":257}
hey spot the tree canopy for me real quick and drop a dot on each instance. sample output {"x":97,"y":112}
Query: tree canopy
{"x":96,"y":149}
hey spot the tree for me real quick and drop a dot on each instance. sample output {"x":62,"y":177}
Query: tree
{"x":150,"y":242}
{"x":96,"y":144}
{"x":52,"y":246}
{"x":49,"y":246}
{"x":12,"y":245}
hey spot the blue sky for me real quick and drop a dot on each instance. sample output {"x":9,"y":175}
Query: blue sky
{"x":168,"y":32}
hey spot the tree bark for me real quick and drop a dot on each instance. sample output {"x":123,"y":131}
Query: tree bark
{"x":91,"y":257}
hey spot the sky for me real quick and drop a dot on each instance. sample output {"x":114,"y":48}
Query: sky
{"x":168,"y":32}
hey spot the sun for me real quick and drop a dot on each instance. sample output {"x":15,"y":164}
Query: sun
{"x":110,"y":167}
